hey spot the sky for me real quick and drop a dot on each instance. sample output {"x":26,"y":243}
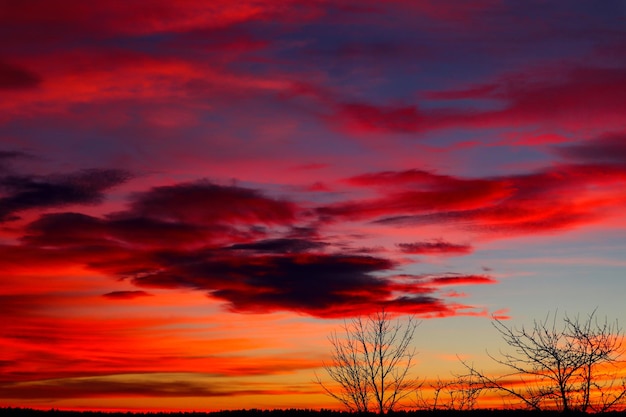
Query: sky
{"x":194,"y":194}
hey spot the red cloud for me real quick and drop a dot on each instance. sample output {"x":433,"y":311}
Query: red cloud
{"x":412,"y":178}
{"x":371,"y":118}
{"x":73,"y":17}
{"x":447,"y":195}
{"x":125,"y":295}
{"x":111,"y":386}
{"x":564,"y":196}
{"x":429,"y":284}
{"x":434,"y":247}
{"x":462,"y":280}
{"x":104,"y":344}
{"x":15,"y":78}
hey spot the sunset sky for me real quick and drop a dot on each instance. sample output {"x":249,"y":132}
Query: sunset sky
{"x":194,"y":194}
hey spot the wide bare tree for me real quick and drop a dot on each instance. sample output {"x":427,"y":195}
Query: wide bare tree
{"x":571,"y":364}
{"x":371,"y":362}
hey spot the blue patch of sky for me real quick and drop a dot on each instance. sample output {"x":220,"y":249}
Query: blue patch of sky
{"x":551,"y":273}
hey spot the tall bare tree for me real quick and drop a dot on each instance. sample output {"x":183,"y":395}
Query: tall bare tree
{"x":370,"y":363}
{"x":573,"y":366}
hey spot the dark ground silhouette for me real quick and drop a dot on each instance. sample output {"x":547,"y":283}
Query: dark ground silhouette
{"x":27,"y":412}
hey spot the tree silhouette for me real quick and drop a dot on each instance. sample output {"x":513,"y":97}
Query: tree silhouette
{"x":569,"y":367}
{"x":459,"y":393}
{"x":370,"y":363}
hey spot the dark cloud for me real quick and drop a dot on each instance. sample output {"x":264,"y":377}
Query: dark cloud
{"x":434,"y":247}
{"x":7,"y":158}
{"x":16,"y":78}
{"x":126,"y":295}
{"x":67,"y":229}
{"x":281,"y":245}
{"x":9,"y":155}
{"x":236,"y":244}
{"x":18,"y":193}
{"x":309,"y":283}
{"x":205,"y":202}
{"x":103,"y":386}
{"x":609,"y":148}
{"x":275,"y":274}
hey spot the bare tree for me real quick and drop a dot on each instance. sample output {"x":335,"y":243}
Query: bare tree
{"x":438,"y":387}
{"x":464,"y":392}
{"x":370,"y":363}
{"x":459,"y":393}
{"x":571,"y":367}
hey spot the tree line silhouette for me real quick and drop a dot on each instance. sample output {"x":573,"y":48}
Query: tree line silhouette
{"x":28,"y":412}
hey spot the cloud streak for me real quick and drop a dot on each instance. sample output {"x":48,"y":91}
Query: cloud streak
{"x":564,"y":196}
{"x":434,"y":247}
